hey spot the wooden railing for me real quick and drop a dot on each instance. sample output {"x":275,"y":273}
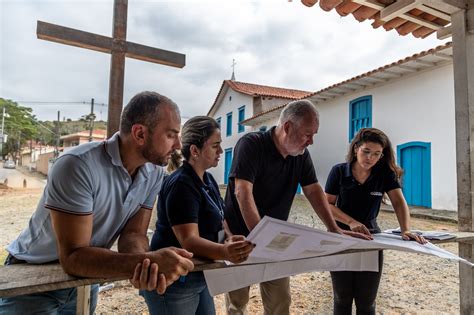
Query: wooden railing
{"x":23,"y":279}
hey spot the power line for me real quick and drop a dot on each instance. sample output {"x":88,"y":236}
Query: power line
{"x":63,"y":103}
{"x":41,"y":125}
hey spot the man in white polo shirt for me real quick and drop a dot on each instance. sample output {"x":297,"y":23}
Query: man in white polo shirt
{"x":98,"y":193}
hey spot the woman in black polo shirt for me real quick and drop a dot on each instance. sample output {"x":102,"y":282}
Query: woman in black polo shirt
{"x":190,"y":215}
{"x":355,"y":190}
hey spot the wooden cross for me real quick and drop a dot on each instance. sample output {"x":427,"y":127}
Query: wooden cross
{"x":118,"y":47}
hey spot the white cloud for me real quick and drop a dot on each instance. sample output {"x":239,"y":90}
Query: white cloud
{"x":274,"y":42}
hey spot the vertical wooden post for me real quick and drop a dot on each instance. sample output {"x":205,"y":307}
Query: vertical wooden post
{"x":83,"y":300}
{"x":117,"y":66}
{"x":463,"y":56}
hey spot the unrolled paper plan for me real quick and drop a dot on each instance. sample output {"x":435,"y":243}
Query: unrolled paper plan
{"x":285,"y":249}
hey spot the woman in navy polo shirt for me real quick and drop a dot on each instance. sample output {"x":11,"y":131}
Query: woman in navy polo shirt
{"x":355,"y":190}
{"x":190,"y":215}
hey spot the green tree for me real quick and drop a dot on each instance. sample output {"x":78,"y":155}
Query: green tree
{"x":19,"y":124}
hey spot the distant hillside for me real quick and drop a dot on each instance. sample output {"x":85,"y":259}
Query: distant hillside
{"x":73,"y":126}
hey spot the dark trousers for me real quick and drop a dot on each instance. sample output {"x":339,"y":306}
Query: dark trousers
{"x":358,"y":286}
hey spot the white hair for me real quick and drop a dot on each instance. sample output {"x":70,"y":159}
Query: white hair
{"x":296,"y":111}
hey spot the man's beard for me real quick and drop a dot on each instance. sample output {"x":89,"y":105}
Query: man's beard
{"x":153,"y":157}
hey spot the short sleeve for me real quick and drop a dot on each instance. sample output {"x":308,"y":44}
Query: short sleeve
{"x":182,"y":203}
{"x":245,"y":161}
{"x":333,"y":182}
{"x":70,"y":186}
{"x":390,"y":181}
{"x":158,"y":175}
{"x":308,"y":176}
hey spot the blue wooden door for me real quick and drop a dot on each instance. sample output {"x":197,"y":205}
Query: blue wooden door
{"x":415,"y":160}
{"x":227,"y":164}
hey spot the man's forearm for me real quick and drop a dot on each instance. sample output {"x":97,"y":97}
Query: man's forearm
{"x":247,"y":205}
{"x":133,"y":243}
{"x":249,"y":211}
{"x":320,"y":205}
{"x":251,"y":217}
{"x":95,"y":262}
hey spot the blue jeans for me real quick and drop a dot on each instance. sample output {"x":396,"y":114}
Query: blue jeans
{"x":185,"y":296}
{"x":48,"y":303}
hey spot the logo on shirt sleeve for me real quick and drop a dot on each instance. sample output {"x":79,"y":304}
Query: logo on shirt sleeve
{"x":376,"y":193}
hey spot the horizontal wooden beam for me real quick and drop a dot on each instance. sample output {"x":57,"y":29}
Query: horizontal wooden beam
{"x":370,"y":3}
{"x":155,"y":55}
{"x":426,"y":63}
{"x":344,"y":89}
{"x":409,"y":68}
{"x":73,"y":37}
{"x":21,"y":279}
{"x":444,"y":56}
{"x":331,"y":93}
{"x":444,"y":32}
{"x":433,"y":11}
{"x":359,"y":84}
{"x":394,"y":73}
{"x":376,"y":79}
{"x":409,"y":17}
{"x":321,"y":97}
{"x":397,"y":8}
{"x":420,"y":21}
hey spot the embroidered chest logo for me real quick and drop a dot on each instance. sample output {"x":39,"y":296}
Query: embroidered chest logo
{"x":376,"y":193}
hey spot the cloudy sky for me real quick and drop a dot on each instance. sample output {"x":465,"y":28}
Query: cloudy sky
{"x":274,"y":42}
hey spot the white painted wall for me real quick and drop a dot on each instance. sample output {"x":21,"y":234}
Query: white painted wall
{"x":419,"y":107}
{"x":271,"y":102}
{"x":231,"y":105}
{"x":415,"y":108}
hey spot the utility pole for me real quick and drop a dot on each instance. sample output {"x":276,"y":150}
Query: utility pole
{"x":91,"y":120}
{"x":3,"y":123}
{"x":58,"y":135}
{"x":18,"y":145}
{"x":31,"y":153}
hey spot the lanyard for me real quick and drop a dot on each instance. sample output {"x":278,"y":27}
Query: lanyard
{"x":216,"y":205}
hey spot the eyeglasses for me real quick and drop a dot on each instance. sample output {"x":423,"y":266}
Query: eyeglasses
{"x":369,"y":154}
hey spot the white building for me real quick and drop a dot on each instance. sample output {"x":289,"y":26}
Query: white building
{"x":412,"y":101}
{"x":238,"y":101}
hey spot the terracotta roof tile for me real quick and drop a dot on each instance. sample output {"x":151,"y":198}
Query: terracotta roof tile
{"x":429,"y":19}
{"x":260,"y":90}
{"x":265,"y":90}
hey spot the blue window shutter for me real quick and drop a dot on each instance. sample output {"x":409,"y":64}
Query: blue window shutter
{"x":228,"y":163}
{"x":360,"y":114}
{"x":241,"y":118}
{"x":229,"y":124}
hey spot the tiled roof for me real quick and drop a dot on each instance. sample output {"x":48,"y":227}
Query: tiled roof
{"x":96,"y":133}
{"x":424,"y":60}
{"x":259,"y":90}
{"x":265,"y":90}
{"x":419,"y":18}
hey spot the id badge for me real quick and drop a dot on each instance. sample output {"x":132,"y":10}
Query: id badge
{"x":221,"y":236}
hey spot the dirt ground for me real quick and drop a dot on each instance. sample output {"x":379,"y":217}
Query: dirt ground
{"x":411,"y":283}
